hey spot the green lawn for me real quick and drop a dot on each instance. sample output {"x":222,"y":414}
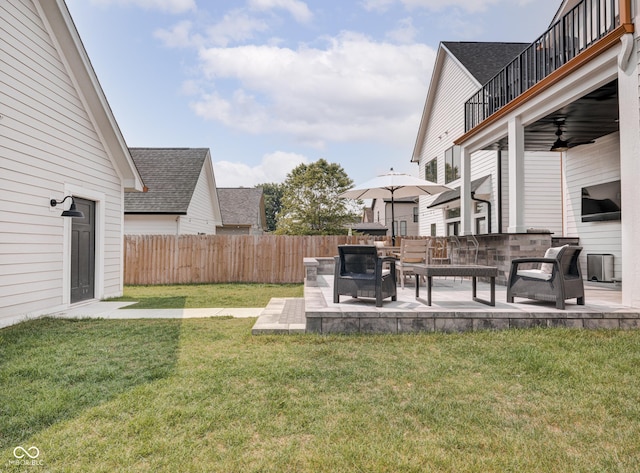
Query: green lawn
{"x":204,"y":395}
{"x":193,"y":296}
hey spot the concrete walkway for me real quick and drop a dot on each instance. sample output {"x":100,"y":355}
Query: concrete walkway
{"x":117,"y":310}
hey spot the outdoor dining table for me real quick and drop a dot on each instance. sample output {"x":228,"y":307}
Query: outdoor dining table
{"x":464,"y":270}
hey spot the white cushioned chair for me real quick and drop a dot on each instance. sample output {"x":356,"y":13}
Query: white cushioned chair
{"x":557,"y":278}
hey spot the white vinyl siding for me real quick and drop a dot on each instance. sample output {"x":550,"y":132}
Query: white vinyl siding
{"x":543,"y":192}
{"x":151,"y":224}
{"x":200,"y":215}
{"x":48,"y":144}
{"x":585,"y":166}
{"x":446,"y":122}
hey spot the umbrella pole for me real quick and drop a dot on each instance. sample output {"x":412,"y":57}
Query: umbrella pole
{"x":393,"y":227}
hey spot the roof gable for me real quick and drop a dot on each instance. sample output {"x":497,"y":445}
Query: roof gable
{"x":170,"y":174}
{"x":484,"y":60}
{"x":481,"y":61}
{"x":64,"y":35}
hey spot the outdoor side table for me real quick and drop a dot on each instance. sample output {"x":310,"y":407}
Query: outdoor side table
{"x":469,"y":270}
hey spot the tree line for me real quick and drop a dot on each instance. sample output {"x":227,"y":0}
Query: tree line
{"x":307,"y":202}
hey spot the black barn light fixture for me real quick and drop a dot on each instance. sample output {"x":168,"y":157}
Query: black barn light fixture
{"x":72,"y":212}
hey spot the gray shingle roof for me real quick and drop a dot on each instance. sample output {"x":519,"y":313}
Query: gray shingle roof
{"x":241,"y":205}
{"x":368,"y":226}
{"x":484,"y":60}
{"x":171,"y":174}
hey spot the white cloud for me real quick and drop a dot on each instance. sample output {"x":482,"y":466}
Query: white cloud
{"x":377,"y":5}
{"x":355,"y":88}
{"x":274,"y":167}
{"x":467,"y":5}
{"x":179,"y":36}
{"x":169,"y":6}
{"x":235,"y":26}
{"x":405,"y":33}
{"x":298,"y":10}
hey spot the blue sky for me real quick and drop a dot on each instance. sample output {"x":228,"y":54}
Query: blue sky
{"x":269,"y":84}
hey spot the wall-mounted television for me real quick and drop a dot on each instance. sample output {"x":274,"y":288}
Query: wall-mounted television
{"x":601,"y":202}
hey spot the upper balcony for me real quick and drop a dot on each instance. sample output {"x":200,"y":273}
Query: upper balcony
{"x":579,"y":29}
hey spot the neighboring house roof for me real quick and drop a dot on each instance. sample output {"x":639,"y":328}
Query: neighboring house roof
{"x":171,"y":175}
{"x":368,"y":226}
{"x":73,"y":54}
{"x":243,"y":206}
{"x":481,"y":61}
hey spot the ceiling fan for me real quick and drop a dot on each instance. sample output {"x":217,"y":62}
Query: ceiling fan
{"x":564,"y":145}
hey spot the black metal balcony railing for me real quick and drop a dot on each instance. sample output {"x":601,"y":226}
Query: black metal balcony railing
{"x":583,"y":26}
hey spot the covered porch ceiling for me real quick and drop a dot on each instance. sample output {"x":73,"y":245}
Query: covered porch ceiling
{"x":586,"y":119}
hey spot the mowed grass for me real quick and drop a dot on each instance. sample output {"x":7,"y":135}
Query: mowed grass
{"x":204,"y":395}
{"x":194,"y":296}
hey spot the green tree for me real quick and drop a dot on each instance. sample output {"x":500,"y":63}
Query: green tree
{"x":272,"y":203}
{"x":310,"y":202}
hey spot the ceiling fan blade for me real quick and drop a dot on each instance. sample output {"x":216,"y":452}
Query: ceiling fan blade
{"x":573,"y":144}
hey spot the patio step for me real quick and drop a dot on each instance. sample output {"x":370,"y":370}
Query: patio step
{"x":282,"y":315}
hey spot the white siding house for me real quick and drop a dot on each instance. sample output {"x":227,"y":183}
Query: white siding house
{"x":57,"y":138}
{"x":405,"y":212}
{"x":181,"y":198}
{"x":459,"y":71}
{"x":581,"y":100}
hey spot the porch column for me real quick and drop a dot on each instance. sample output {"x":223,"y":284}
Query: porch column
{"x":629,"y":109}
{"x":465,"y":190}
{"x":516,"y":176}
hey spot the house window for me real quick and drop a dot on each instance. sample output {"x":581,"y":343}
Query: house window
{"x":481,"y":226}
{"x":431,"y":170}
{"x":451,"y":165}
{"x":403,"y":228}
{"x":415,"y":215}
{"x":480,"y":218}
{"x":433,"y":229}
{"x":453,"y":213}
{"x":452,"y":221}
{"x":378,"y":216}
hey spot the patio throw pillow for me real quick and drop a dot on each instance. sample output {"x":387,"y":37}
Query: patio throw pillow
{"x":551,"y":253}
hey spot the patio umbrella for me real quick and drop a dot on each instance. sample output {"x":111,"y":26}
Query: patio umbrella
{"x":393,"y":184}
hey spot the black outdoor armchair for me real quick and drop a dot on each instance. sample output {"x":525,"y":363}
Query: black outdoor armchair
{"x":557,"y":278}
{"x":360,"y":272}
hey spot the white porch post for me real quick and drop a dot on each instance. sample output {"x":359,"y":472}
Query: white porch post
{"x":465,"y":190}
{"x":629,"y":109}
{"x":516,"y":176}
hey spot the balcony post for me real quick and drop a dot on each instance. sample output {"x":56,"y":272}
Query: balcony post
{"x":628,"y":97}
{"x":516,"y":176}
{"x":465,"y":191}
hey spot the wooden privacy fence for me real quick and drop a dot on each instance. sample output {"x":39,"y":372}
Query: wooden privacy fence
{"x":171,"y":259}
